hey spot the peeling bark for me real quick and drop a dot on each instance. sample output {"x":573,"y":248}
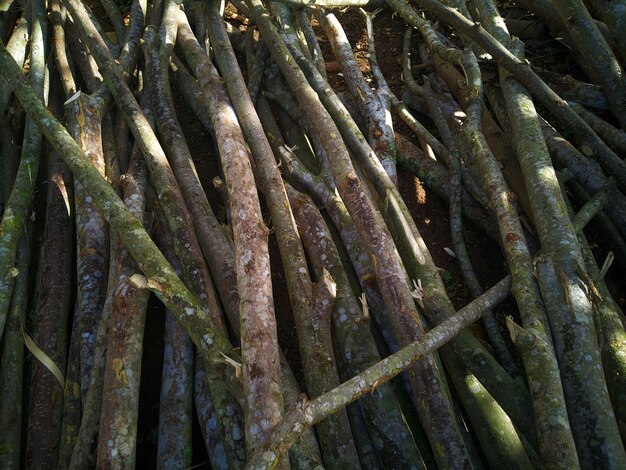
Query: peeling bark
{"x":161,"y":278}
{"x":307,"y":413}
{"x":120,"y":393}
{"x":373,"y":105}
{"x":300,"y":287}
{"x":53,"y":311}
{"x":357,"y":349}
{"x":257,"y":323}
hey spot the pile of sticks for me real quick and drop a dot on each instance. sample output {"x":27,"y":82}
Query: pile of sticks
{"x":122,"y":213}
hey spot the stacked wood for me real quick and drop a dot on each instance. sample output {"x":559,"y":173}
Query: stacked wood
{"x":293,"y":220}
